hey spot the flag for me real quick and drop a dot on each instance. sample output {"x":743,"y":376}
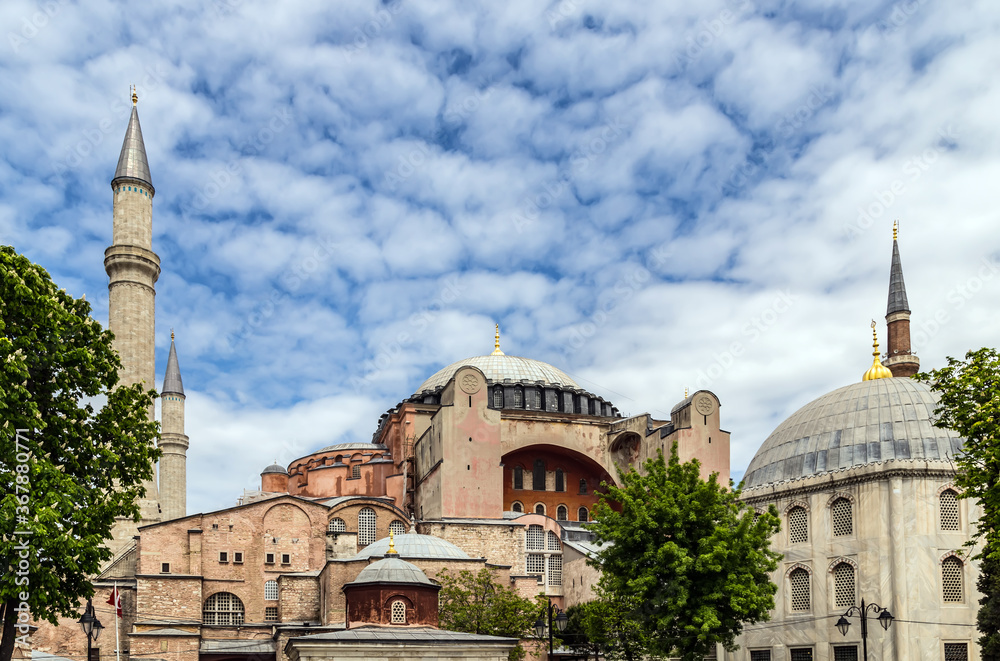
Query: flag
{"x":116,"y":600}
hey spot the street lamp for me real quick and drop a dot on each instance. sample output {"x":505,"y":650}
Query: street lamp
{"x":91,"y":626}
{"x":561,"y":620}
{"x":885,"y":619}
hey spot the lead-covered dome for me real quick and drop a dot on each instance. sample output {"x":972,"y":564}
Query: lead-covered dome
{"x":413,"y":545}
{"x":863,"y":423}
{"x":497,"y":368}
{"x":392,"y":570}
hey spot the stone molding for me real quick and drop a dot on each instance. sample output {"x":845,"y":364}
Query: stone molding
{"x":796,"y":503}
{"x":798,"y":565}
{"x":840,"y":559}
{"x":837,"y":495}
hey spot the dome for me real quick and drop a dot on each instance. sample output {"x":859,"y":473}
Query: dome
{"x":863,"y":423}
{"x":357,"y":447}
{"x":498,"y":367}
{"x":274,"y":468}
{"x":414,"y":546}
{"x":392,"y":570}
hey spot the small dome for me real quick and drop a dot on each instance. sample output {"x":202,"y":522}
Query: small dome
{"x":414,"y":546}
{"x":274,"y":468}
{"x":863,"y":423}
{"x":498,"y":367}
{"x":392,"y":570}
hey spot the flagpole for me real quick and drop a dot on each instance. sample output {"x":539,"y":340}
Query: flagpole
{"x":118,"y":647}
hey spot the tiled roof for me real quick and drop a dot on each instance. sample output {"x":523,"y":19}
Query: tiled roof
{"x":500,"y":367}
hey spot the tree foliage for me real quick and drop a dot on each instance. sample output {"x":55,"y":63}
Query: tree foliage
{"x":970,"y":405}
{"x":688,"y":562}
{"x":478,"y":603}
{"x":66,"y":470}
{"x":604,"y":627}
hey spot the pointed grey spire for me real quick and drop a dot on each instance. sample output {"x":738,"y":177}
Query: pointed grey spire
{"x":132,"y":163}
{"x":897,"y":290}
{"x":172,"y":379}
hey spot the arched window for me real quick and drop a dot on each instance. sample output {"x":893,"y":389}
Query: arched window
{"x":337,"y":525}
{"x":799,"y":582}
{"x":356,"y":470}
{"x":535,"y":538}
{"x":517,"y":507}
{"x":951,"y":580}
{"x":398,"y":612}
{"x":842,"y":518}
{"x":540,"y":509}
{"x":270,"y":590}
{"x":581,"y":514}
{"x":518,"y":477}
{"x":798,"y":525}
{"x":518,"y":398}
{"x":562,"y":514}
{"x":498,"y":397}
{"x":223,"y":608}
{"x":949,"y":510}
{"x":843,"y":585}
{"x":560,"y":480}
{"x":538,"y":475}
{"x":366,"y":526}
{"x":583,"y":486}
{"x":552,"y":541}
{"x":397,"y":528}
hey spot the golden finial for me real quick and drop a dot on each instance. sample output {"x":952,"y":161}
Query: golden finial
{"x":895,"y":230}
{"x":685,"y":392}
{"x":392,"y":544}
{"x":877,"y":370}
{"x":496,"y":344}
{"x":135,"y":98}
{"x":172,"y":339}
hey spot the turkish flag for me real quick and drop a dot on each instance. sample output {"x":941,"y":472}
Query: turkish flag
{"x":116,"y":600}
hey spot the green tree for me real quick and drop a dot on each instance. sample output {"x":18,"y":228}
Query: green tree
{"x":478,"y":603}
{"x":66,"y":470}
{"x":604,"y":627}
{"x":687,"y":560}
{"x":970,"y":405}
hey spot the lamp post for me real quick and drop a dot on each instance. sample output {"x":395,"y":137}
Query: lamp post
{"x":885,"y":619}
{"x":91,"y":626}
{"x":561,"y":619}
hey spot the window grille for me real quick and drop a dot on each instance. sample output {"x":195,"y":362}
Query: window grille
{"x":223,"y":608}
{"x":798,"y":525}
{"x":956,"y":652}
{"x":397,"y":528}
{"x":518,"y":477}
{"x":799,"y":580}
{"x":516,"y":507}
{"x":801,"y":654}
{"x":398,"y":612}
{"x":366,"y":526}
{"x":840,"y":512}
{"x":553,"y":541}
{"x":555,"y":570}
{"x":845,"y":653}
{"x":538,"y":476}
{"x":498,"y":398}
{"x":843,"y":585}
{"x":270,"y":590}
{"x":270,"y":613}
{"x":518,"y":398}
{"x":581,"y":514}
{"x":760,"y":655}
{"x":536,"y":538}
{"x":560,"y":480}
{"x":949,"y":510}
{"x":562,"y":514}
{"x":337,"y":525}
{"x":540,"y":509}
{"x":356,"y":470}
{"x":535,"y":564}
{"x":951,"y":579}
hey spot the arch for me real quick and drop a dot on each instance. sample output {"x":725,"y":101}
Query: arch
{"x":540,"y":508}
{"x":798,"y":565}
{"x":796,"y":503}
{"x":516,"y":506}
{"x":397,"y":612}
{"x":562,"y":513}
{"x":534,"y":538}
{"x":842,"y":517}
{"x":336,"y":525}
{"x":271,"y":590}
{"x":952,"y":579}
{"x":367,"y":520}
{"x":552,"y":541}
{"x":518,"y":397}
{"x":837,"y":495}
{"x":498,"y":397}
{"x":800,"y":589}
{"x":582,"y":515}
{"x":798,"y":525}
{"x":949,"y":513}
{"x":951,"y":486}
{"x":841,"y":560}
{"x":844,"y":588}
{"x":223,"y":608}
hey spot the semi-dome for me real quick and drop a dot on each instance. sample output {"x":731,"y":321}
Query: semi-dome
{"x":498,"y":367}
{"x":392,"y":570}
{"x":863,"y":423}
{"x":414,"y":546}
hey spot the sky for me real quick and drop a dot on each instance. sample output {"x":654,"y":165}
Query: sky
{"x":649,"y":196}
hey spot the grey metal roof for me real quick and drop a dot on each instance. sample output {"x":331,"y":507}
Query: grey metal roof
{"x":863,"y":423}
{"x":172,"y":379}
{"x":132,"y":163}
{"x":168,"y":631}
{"x":361,"y":447}
{"x":376,"y":634}
{"x":392,"y":570}
{"x":274,"y":468}
{"x":412,"y":545}
{"x":238,"y":646}
{"x":897,"y":290}
{"x":500,"y":367}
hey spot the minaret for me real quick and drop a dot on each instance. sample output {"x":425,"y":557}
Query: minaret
{"x":899,"y":359}
{"x":133,"y":268}
{"x":173,"y":442}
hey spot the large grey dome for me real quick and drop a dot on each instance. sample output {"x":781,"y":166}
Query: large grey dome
{"x":392,"y":570}
{"x":415,"y":546}
{"x":863,"y":423}
{"x":499,"y":367}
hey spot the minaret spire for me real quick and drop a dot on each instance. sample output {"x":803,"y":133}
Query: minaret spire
{"x":899,"y":358}
{"x":132,"y":162}
{"x":173,"y":441}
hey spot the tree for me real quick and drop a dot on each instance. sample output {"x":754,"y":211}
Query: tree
{"x":605,"y":628}
{"x":687,"y":560}
{"x":970,"y":405}
{"x":478,"y":603}
{"x":66,"y":470}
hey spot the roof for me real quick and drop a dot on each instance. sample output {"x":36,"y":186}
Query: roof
{"x":498,"y":368}
{"x":412,"y":545}
{"x":274,"y":468}
{"x":375,"y":634}
{"x":392,"y":570}
{"x":897,"y":289}
{"x":172,"y":379}
{"x":863,"y":423}
{"x":361,"y":447}
{"x":132,"y":163}
{"x":238,"y":646}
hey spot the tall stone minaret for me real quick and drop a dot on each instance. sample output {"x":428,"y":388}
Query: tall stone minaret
{"x":133,"y":268}
{"x":899,"y":358}
{"x":173,"y":442}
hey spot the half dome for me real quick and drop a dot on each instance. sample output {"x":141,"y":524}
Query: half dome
{"x":863,"y":423}
{"x":414,"y":546}
{"x":497,"y":368}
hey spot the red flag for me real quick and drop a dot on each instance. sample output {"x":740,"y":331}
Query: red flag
{"x":116,"y":600}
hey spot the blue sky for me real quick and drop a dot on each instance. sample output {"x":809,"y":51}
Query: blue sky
{"x":650,"y":196}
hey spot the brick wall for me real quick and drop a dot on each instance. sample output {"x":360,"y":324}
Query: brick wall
{"x":300,"y":599}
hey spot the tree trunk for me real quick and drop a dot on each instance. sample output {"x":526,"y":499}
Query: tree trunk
{"x":7,"y":638}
